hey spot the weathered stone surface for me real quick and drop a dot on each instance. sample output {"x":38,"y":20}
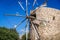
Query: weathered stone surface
{"x":50,"y":31}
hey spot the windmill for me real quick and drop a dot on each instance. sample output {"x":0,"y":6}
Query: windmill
{"x":28,"y":19}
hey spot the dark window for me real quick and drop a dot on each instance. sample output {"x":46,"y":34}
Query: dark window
{"x":33,"y":14}
{"x":53,"y":17}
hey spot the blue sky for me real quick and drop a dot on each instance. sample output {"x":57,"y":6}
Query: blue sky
{"x":12,"y":7}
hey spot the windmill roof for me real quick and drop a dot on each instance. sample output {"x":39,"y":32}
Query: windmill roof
{"x":44,"y":8}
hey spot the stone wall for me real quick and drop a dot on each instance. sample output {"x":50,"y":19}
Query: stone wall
{"x":49,"y":28}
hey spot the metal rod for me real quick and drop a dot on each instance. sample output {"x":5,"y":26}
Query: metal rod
{"x":35,"y":28}
{"x":14,"y":15}
{"x":26,"y":7}
{"x":20,"y":23}
{"x":21,"y":5}
{"x":27,"y":30}
{"x":27,"y":19}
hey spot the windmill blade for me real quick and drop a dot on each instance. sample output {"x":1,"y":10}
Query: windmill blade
{"x":36,"y":31}
{"x":21,"y":5}
{"x":35,"y":2}
{"x":14,"y":15}
{"x":34,"y":27}
{"x":15,"y":26}
{"x":26,"y":8}
{"x":27,"y":25}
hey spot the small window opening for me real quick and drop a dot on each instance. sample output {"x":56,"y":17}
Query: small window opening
{"x":33,"y":14}
{"x":53,"y":17}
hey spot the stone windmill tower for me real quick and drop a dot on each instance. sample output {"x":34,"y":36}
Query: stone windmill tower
{"x":44,"y":22}
{"x":47,"y":23}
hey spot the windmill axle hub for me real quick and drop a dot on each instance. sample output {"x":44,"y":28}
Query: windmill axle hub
{"x":30,"y":17}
